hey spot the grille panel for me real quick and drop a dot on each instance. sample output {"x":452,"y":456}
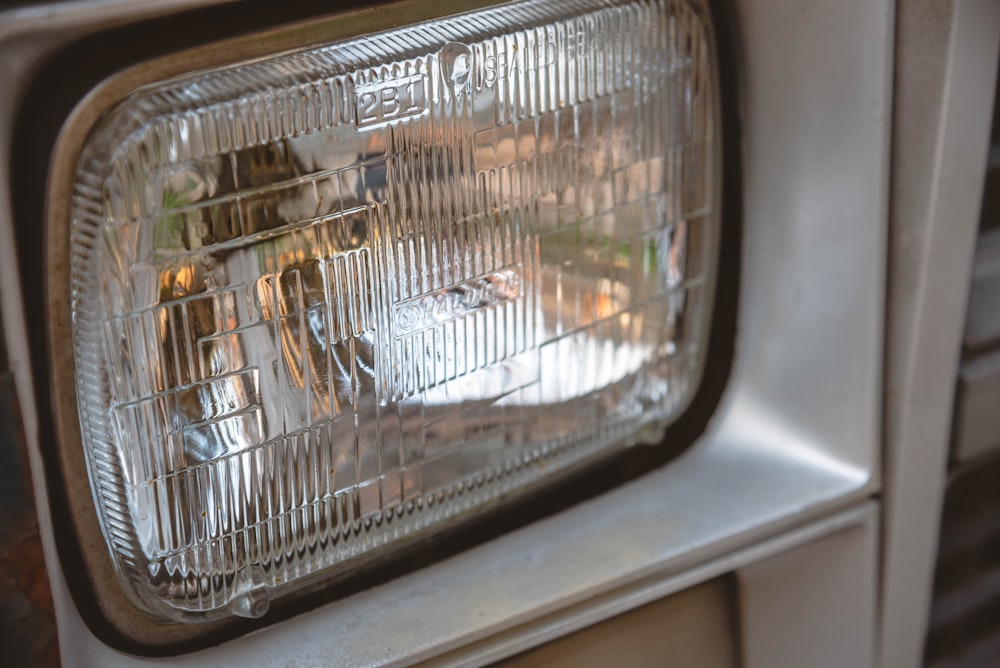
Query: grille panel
{"x":965,"y":619}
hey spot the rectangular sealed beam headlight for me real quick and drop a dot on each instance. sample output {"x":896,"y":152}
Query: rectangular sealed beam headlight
{"x":329,"y":301}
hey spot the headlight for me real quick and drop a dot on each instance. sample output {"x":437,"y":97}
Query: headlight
{"x":329,"y":301}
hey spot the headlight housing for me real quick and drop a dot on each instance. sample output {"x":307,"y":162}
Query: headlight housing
{"x":327,"y":302}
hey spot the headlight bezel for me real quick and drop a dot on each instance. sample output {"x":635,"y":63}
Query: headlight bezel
{"x":133,"y":631}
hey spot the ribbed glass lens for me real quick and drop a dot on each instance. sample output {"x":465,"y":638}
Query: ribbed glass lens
{"x":330,"y":300}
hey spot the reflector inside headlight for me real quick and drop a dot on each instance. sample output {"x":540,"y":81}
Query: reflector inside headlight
{"x":334,"y":299}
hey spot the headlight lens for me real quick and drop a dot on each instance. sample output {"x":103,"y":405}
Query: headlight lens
{"x":334,"y":299}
